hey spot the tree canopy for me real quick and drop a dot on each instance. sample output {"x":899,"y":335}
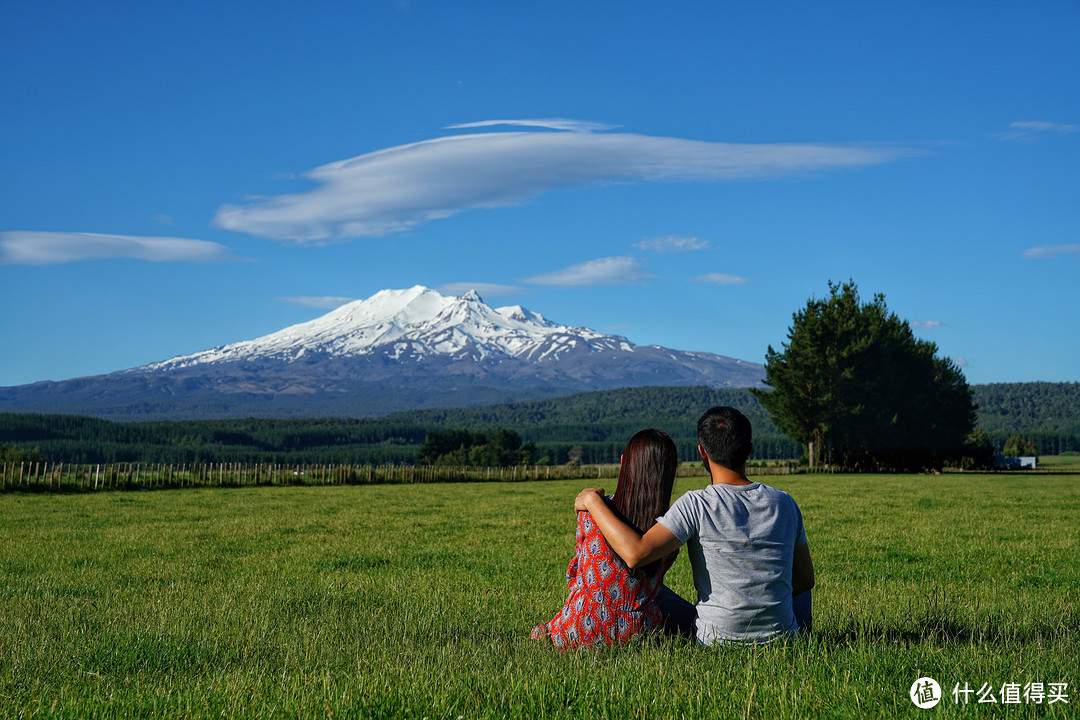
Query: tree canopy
{"x":597,"y":424}
{"x":856,"y":387}
{"x":458,"y":446}
{"x":1016,"y":446}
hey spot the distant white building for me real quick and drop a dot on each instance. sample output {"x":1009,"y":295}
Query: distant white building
{"x":1009,"y":462}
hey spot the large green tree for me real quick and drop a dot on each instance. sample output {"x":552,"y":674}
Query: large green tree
{"x":856,"y":387}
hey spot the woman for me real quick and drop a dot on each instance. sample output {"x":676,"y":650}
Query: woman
{"x":609,"y":603}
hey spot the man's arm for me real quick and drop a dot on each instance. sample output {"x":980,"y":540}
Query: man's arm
{"x":802,"y":570}
{"x":635,"y":550}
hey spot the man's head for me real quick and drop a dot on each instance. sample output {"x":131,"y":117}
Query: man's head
{"x":725,"y":435}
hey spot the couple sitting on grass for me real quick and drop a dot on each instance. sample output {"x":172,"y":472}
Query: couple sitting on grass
{"x":748,"y":550}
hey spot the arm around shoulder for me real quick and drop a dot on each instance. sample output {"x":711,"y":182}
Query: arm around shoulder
{"x":635,"y":550}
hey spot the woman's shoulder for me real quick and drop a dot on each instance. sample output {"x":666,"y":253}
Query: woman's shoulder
{"x":585,"y":518}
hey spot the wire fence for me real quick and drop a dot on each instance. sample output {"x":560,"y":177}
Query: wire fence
{"x":73,"y":477}
{"x":45,"y":476}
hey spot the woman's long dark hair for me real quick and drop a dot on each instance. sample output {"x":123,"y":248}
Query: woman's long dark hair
{"x":646,"y":477}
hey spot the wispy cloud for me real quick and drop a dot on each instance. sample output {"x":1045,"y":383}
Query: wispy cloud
{"x":602,"y":271}
{"x":960,"y":361}
{"x":393,"y":190}
{"x":1044,"y":251}
{"x":672,"y":243}
{"x":927,"y":324}
{"x":549,"y":123}
{"x":721,"y":279}
{"x":49,"y":248}
{"x":485,"y":290}
{"x":1030,"y":129}
{"x":319,"y":303}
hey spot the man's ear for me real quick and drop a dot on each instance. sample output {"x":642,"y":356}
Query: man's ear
{"x":704,"y":455}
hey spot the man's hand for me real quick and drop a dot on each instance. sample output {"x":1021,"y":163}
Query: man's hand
{"x":583,"y":496}
{"x":635,"y":550}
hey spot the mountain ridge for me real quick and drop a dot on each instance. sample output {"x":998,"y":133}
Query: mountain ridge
{"x":397,"y":350}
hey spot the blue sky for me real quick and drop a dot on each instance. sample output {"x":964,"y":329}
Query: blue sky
{"x":182,"y":175}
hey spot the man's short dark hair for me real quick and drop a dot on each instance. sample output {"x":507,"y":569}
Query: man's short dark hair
{"x":725,"y":433}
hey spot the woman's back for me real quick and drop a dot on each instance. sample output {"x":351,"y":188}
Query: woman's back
{"x":607,"y":603}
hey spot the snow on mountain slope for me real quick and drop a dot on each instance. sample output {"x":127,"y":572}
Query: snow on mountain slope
{"x":413,"y":323}
{"x":397,"y":350}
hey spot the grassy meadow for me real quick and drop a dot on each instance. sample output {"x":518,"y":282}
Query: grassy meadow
{"x":416,"y":601}
{"x":1060,"y":463}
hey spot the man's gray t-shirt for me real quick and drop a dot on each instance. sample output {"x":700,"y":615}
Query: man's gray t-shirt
{"x":741,"y":540}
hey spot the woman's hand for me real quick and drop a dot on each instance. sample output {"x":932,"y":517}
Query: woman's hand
{"x":583,"y":496}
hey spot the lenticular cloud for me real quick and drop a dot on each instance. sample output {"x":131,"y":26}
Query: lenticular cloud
{"x":48,"y":248}
{"x":392,"y":190}
{"x":602,"y":271}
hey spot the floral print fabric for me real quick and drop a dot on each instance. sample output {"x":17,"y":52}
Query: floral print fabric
{"x":607,"y":605}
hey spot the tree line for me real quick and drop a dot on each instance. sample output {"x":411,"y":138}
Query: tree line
{"x":591,"y":427}
{"x":1029,"y":407}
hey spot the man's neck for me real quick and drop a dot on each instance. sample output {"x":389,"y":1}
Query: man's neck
{"x":726,"y":476}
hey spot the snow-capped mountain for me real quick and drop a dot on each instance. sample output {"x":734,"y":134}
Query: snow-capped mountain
{"x":414,"y":323}
{"x":398,"y":349}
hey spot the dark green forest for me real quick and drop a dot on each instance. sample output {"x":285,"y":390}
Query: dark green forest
{"x":590,"y":427}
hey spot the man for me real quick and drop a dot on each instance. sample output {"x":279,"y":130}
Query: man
{"x":748,"y":550}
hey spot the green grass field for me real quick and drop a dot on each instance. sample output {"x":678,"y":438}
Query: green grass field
{"x":1057,"y":463}
{"x":416,"y":601}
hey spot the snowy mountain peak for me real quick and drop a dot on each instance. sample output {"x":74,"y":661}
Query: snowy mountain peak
{"x":516,"y":312}
{"x":416,"y":322}
{"x":396,"y":350}
{"x":403,"y":306}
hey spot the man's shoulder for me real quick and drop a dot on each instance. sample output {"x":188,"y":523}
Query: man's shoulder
{"x":721,"y":494}
{"x":778,"y":494}
{"x":693,"y":497}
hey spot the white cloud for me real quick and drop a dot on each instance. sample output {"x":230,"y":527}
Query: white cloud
{"x":484,"y":290}
{"x":926,"y":324}
{"x":1029,"y":129}
{"x":319,"y":303}
{"x":392,"y":190}
{"x":672,"y":243}
{"x":549,"y":123}
{"x":721,"y":279}
{"x":602,"y":271}
{"x":48,"y":248}
{"x":1051,"y":250}
{"x":960,"y":361}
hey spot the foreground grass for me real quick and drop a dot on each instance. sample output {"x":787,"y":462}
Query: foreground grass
{"x":417,"y":601}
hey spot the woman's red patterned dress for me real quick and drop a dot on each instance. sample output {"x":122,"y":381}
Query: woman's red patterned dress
{"x":607,"y":605}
